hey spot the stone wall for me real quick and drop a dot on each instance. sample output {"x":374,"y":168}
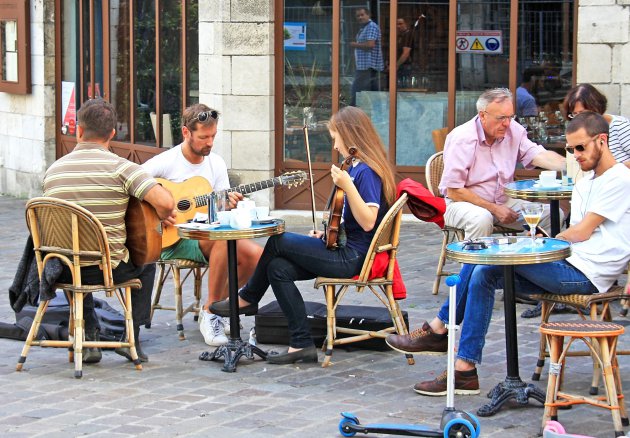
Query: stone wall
{"x":27,"y":122}
{"x":603,"y":46}
{"x":236,"y":77}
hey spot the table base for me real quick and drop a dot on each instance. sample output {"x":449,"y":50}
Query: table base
{"x":232,"y":352}
{"x":512,"y":387}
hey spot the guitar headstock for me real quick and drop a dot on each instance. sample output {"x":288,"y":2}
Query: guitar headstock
{"x":293,"y":179}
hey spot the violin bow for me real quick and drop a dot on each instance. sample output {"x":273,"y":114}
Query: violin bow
{"x":310,"y":173}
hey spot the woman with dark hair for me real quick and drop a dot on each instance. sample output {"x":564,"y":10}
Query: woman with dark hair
{"x":369,"y":189}
{"x":585,"y":97}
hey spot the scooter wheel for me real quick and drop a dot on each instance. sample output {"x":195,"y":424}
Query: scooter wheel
{"x":477,"y":424}
{"x":344,"y":429}
{"x":459,"y":428}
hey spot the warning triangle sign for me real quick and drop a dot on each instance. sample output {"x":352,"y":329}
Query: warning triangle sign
{"x":476,"y":45}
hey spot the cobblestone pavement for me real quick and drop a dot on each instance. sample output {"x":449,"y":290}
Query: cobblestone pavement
{"x":178,"y":395}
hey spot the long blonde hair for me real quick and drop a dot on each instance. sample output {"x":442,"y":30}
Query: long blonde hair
{"x":356,"y":129}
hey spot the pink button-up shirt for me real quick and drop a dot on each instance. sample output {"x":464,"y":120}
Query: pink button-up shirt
{"x":471,"y":163}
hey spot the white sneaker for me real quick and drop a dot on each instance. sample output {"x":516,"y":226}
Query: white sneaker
{"x":226,"y":324}
{"x":211,"y":327}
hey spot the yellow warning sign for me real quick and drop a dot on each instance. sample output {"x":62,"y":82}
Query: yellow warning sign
{"x":476,"y":45}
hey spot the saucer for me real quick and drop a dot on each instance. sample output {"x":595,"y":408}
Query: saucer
{"x":198,"y":226}
{"x":554,"y":185}
{"x":263,"y":220}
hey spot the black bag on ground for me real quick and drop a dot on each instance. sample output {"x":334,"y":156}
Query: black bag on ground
{"x":271,"y":324}
{"x":55,"y":321}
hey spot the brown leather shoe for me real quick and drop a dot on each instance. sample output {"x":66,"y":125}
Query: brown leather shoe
{"x":466,"y":383}
{"x":419,"y":341}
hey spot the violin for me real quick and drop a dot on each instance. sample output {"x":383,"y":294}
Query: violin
{"x":335,"y":207}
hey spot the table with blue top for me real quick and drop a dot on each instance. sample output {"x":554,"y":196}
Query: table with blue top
{"x":235,"y":348}
{"x":530,"y":190}
{"x":519,"y":251}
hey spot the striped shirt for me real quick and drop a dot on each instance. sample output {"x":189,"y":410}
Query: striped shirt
{"x":619,"y":138}
{"x":101,"y":182}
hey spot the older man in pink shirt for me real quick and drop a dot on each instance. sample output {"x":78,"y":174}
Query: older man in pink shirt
{"x":480,"y":157}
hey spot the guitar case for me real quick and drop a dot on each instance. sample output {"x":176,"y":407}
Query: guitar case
{"x":272,"y":328}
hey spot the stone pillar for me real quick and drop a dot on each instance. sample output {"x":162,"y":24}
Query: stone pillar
{"x":603,"y":50}
{"x":236,"y":77}
{"x":27,"y":122}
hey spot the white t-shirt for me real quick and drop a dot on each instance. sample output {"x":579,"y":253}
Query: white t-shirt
{"x":604,"y":256}
{"x":173,"y":166}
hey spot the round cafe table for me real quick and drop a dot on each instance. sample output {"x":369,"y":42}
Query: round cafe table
{"x":236,"y":347}
{"x":529,"y":190}
{"x":519,"y":252}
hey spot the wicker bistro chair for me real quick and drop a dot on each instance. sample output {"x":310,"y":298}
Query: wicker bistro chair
{"x":601,"y":339}
{"x":70,"y":233}
{"x":181,"y":270}
{"x":433,"y":175}
{"x":386,"y":239}
{"x":598,"y":306}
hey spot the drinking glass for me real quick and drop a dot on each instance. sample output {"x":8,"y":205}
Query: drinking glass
{"x":532,"y":213}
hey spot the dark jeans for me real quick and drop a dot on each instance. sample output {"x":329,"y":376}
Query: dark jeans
{"x":364,"y":80}
{"x":140,"y":298}
{"x":291,"y":257}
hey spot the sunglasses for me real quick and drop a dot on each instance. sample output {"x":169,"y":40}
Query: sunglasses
{"x":205,"y":115}
{"x":579,"y":147}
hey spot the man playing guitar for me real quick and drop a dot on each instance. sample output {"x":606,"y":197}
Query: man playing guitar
{"x":194,"y":157}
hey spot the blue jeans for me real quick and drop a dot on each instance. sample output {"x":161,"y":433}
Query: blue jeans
{"x":291,"y":257}
{"x":475,"y":296}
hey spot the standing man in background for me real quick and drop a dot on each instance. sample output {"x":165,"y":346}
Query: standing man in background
{"x":368,"y":55}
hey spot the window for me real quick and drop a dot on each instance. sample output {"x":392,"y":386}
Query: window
{"x":140,"y":55}
{"x":15,"y":53}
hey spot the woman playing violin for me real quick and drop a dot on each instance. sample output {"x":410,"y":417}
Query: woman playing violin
{"x":369,"y":192}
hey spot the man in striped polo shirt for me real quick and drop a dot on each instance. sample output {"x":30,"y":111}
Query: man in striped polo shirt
{"x":100,"y":181}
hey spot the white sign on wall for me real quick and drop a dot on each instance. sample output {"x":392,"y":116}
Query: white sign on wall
{"x":479,"y":41}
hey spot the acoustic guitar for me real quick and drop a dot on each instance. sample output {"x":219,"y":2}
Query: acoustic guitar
{"x":144,"y":230}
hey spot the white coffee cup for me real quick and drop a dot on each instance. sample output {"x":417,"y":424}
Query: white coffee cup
{"x":262,"y":212}
{"x":224,"y":217}
{"x":240,"y":219}
{"x":547,"y":177}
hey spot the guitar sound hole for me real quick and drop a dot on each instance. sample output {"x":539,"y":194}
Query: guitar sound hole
{"x":183,"y":205}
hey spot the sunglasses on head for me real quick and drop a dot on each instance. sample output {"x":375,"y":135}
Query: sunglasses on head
{"x":205,"y":115}
{"x":579,"y":147}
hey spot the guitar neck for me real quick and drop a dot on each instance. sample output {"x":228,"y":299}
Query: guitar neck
{"x":245,"y":189}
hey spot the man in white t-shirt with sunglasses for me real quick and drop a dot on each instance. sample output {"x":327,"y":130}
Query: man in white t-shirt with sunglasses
{"x":600,"y":237}
{"x":194,"y":157}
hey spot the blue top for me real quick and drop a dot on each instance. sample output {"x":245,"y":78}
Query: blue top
{"x":370,"y":187}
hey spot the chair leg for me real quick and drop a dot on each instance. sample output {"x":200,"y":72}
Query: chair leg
{"x":330,"y":324}
{"x":398,"y":320}
{"x":179,"y":306}
{"x":622,"y":401}
{"x":555,"y":369}
{"x":70,"y":299}
{"x":441,"y":261}
{"x":542,"y":350}
{"x":41,"y":309}
{"x":162,"y":275}
{"x":610,"y":384}
{"x":79,"y":332}
{"x":197,"y":291}
{"x":129,"y":332}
